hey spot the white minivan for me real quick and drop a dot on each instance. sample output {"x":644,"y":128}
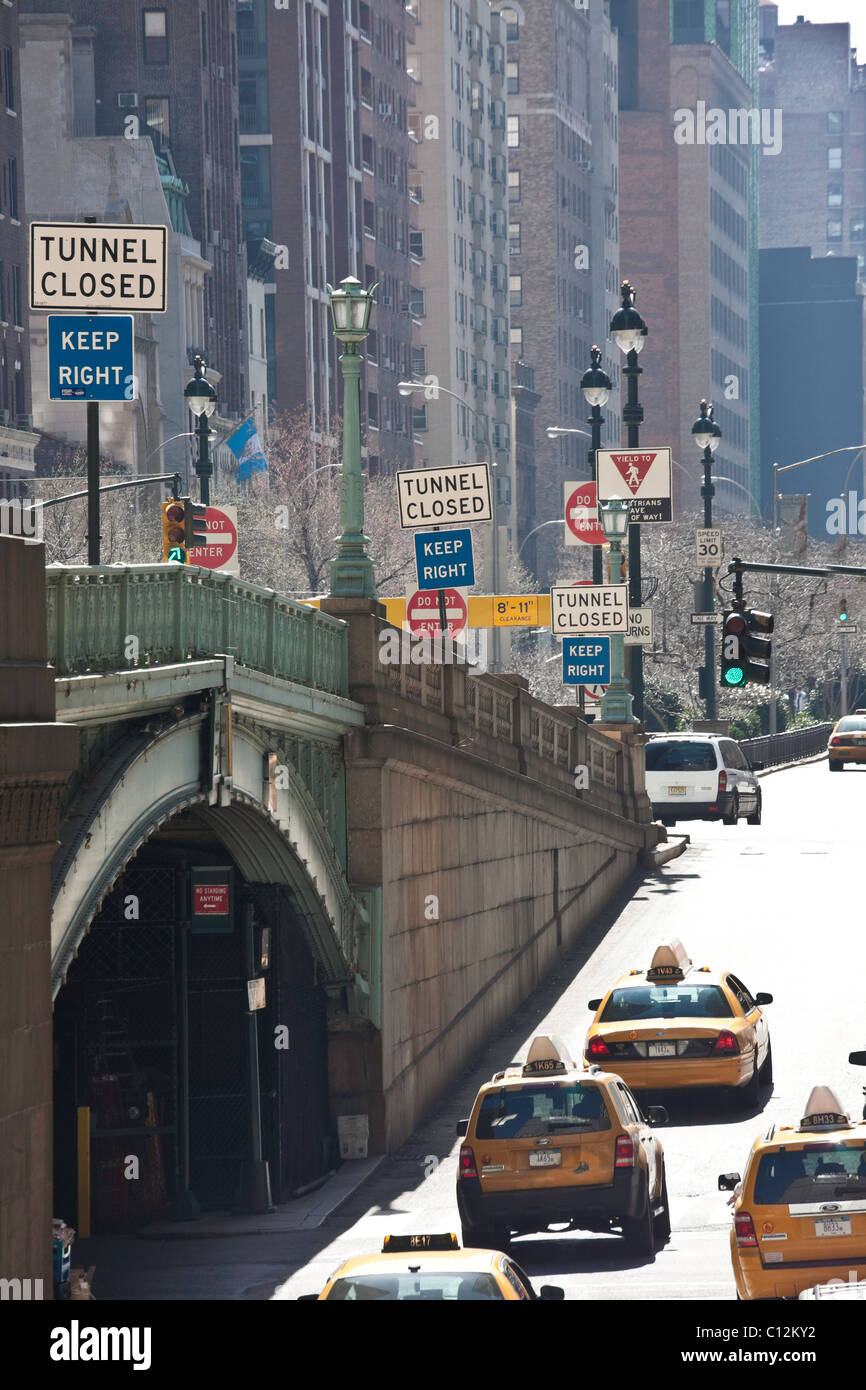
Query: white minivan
{"x":701,"y":777}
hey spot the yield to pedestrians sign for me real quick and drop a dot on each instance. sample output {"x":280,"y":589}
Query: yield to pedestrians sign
{"x":641,"y":476}
{"x":444,"y":559}
{"x":90,"y":357}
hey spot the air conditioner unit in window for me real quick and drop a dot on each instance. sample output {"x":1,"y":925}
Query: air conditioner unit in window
{"x":127,"y":98}
{"x":405,"y":306}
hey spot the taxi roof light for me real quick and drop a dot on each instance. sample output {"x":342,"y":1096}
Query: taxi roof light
{"x":824,"y":1110}
{"x":669,"y":962}
{"x":399,"y":1245}
{"x":547,"y":1053}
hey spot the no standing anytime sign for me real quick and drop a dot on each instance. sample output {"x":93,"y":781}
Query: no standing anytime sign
{"x":97,"y":266}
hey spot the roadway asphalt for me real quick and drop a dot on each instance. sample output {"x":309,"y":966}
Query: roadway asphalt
{"x":779,"y":904}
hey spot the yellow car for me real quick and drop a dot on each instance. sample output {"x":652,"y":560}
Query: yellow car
{"x":549,"y":1142}
{"x":800,"y":1207}
{"x":847,"y":742}
{"x":677,"y":1025}
{"x":431,"y":1268}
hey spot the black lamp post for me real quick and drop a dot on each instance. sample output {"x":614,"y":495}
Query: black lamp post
{"x":596,"y":388}
{"x":201,"y":399}
{"x":707,"y":435}
{"x":630,"y":332}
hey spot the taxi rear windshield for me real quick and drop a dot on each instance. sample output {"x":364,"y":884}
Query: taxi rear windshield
{"x":680,"y":756}
{"x":666,"y":1001}
{"x":852,"y":724}
{"x":416,"y":1288}
{"x":528,"y":1112}
{"x":821,"y":1172}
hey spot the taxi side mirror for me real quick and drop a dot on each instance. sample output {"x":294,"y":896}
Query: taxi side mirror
{"x":761,"y":999}
{"x":594,"y":1004}
{"x":728,"y":1181}
{"x":551,"y":1293}
{"x":656,"y":1115}
{"x":857,"y":1059}
{"x":462,"y":1126}
{"x":307,"y":1298}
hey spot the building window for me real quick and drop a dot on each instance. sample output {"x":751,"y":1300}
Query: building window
{"x":9,"y":79}
{"x":515,"y":290}
{"x":513,"y":132}
{"x":834,"y":230}
{"x":514,"y":242}
{"x":834,"y":195}
{"x":369,"y":218}
{"x":512,"y":77}
{"x":419,"y":419}
{"x":514,"y":185}
{"x":516,"y":337}
{"x":861,"y":268}
{"x":13,"y":186}
{"x":461,"y":364}
{"x":476,"y":99}
{"x":512,"y":23}
{"x":416,"y":303}
{"x":688,"y":19}
{"x":17,"y":317}
{"x":858,"y":229}
{"x":834,"y":158}
{"x":416,"y":187}
{"x":204,"y":41}
{"x":372,"y":410}
{"x":366,"y":88}
{"x":155,"y":36}
{"x":157,"y":119}
{"x":416,"y":244}
{"x":834,"y":122}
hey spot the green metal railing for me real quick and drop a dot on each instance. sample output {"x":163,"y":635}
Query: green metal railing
{"x":119,"y":616}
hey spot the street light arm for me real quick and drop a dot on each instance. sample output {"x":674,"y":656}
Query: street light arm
{"x":558,"y":521}
{"x":849,"y":448}
{"x":733,"y":483}
{"x":420,"y":386}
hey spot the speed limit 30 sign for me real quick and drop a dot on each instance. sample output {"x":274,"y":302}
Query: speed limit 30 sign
{"x":708,"y":547}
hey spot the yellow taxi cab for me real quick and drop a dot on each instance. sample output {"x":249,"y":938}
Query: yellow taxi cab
{"x":431,"y":1268}
{"x":800,"y":1207}
{"x":552,"y":1143}
{"x":847,"y":742}
{"x":676,"y":1025}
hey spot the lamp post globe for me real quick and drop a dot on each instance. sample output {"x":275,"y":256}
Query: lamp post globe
{"x":627,"y":327}
{"x":201,"y":398}
{"x":595,"y":383}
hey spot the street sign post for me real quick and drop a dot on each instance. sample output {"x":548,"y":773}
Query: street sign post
{"x":431,"y":496}
{"x":640,"y":628}
{"x":444,"y":557}
{"x":585,"y":660}
{"x":422,"y":612}
{"x":590,"y":610}
{"x":221,"y":551}
{"x":642,"y":476}
{"x":90,"y":358}
{"x":93,"y":266}
{"x":581,"y":515}
{"x":708,"y":547}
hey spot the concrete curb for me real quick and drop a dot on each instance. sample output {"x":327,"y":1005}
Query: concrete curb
{"x":800,"y":762}
{"x":662,"y":854}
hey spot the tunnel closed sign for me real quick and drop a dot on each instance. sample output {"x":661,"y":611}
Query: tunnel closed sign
{"x":92,"y":266}
{"x":595,"y":609}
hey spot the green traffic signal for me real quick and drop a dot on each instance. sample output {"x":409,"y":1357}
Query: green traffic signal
{"x":178,"y":554}
{"x":734,"y":675}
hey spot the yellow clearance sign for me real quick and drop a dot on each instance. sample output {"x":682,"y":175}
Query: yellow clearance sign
{"x":485,"y":610}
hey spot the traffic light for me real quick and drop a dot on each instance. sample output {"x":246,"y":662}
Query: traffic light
{"x":746,"y":648}
{"x":173,"y":533}
{"x":843,"y":610}
{"x":194,"y":523}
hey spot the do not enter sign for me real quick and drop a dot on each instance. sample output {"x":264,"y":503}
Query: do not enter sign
{"x":221,"y":551}
{"x":422,"y":612}
{"x":581,"y":515}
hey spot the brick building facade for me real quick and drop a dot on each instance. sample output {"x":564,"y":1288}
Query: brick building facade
{"x":15,"y":406}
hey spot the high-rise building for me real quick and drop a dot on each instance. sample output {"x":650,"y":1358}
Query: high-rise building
{"x":460,"y":293}
{"x":169,"y":73}
{"x":326,"y":155}
{"x":17,"y":442}
{"x":561,"y":85}
{"x":690,"y":141}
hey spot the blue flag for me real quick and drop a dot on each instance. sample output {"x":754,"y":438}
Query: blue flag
{"x":247,"y":449}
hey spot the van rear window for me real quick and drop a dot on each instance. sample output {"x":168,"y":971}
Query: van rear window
{"x":666,"y":1001}
{"x":825,"y":1172}
{"x":680,"y":756}
{"x":528,"y":1112}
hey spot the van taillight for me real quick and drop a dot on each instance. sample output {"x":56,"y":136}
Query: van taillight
{"x":467,"y":1162}
{"x":723,"y":782}
{"x":725,"y":1043}
{"x":624,"y":1155}
{"x":744,"y":1230}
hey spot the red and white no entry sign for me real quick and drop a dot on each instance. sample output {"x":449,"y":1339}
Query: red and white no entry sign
{"x":221,"y":551}
{"x":422,"y":611}
{"x":581,"y":515}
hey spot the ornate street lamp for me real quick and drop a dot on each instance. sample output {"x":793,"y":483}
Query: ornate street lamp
{"x":201,"y":399}
{"x":352,"y":569}
{"x":616,"y":703}
{"x":596,"y":388}
{"x":630,"y":332}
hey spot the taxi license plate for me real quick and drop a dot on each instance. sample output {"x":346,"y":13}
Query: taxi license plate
{"x":676,"y":791}
{"x":833,"y":1226}
{"x":546,"y":1158}
{"x":662,"y":1049}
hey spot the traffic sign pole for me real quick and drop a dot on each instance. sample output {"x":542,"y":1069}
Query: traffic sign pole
{"x":93,"y":482}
